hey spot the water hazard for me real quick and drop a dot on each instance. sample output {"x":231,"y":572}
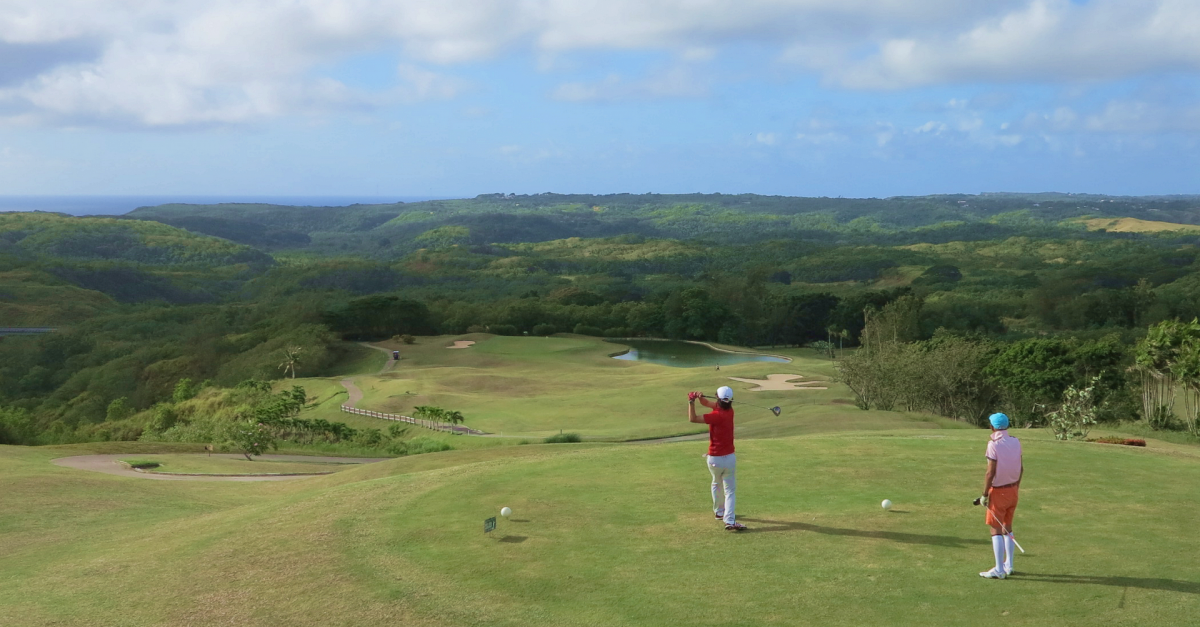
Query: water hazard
{"x":686,"y":354}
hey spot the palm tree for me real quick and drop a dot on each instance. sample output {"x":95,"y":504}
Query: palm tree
{"x":454,"y":417}
{"x":291,"y":355}
{"x":438,"y":414}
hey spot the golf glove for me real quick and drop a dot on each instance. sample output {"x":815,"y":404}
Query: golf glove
{"x":693,"y":396}
{"x":983,"y":500}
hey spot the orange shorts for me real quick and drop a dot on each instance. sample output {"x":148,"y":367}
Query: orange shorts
{"x":1002,"y":504}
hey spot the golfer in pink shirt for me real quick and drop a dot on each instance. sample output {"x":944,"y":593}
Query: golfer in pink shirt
{"x":1004,"y":471}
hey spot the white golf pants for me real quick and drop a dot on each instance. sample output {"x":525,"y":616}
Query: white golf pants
{"x":724,"y":485}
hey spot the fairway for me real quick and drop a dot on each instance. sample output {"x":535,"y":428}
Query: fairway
{"x":617,"y":535}
{"x":607,"y":532}
{"x":536,"y":387}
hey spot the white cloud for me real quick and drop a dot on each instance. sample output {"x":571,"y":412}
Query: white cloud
{"x":677,"y":82}
{"x":769,"y":139}
{"x":141,"y":62}
{"x":1117,"y":117}
{"x":1045,"y":40}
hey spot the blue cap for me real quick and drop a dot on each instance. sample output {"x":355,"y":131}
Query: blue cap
{"x":999,"y":421}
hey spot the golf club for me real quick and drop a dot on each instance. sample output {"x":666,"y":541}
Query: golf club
{"x":774,"y":410}
{"x":1002,"y":526}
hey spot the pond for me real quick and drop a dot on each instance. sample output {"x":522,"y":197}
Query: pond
{"x":685,"y":354}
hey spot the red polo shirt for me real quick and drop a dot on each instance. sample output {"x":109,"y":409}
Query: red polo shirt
{"x":720,"y":431}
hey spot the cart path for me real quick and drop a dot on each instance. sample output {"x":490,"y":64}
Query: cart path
{"x":389,"y":364}
{"x":356,"y":394}
{"x":109,"y":465}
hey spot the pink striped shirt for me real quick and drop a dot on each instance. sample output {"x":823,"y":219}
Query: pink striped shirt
{"x":1006,"y":450}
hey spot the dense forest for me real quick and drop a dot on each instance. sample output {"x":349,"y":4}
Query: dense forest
{"x":218,"y":293}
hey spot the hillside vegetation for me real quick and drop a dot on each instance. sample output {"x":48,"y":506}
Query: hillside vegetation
{"x":230,"y":291}
{"x":388,"y":231}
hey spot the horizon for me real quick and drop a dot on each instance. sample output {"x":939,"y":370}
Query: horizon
{"x":82,"y":205}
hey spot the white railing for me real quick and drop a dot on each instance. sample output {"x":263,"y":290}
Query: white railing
{"x":428,"y":424}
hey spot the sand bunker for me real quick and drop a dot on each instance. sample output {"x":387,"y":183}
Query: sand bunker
{"x":781,"y":383}
{"x":461,"y":344}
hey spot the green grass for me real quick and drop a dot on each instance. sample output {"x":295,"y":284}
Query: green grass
{"x":603,"y":533}
{"x":537,"y":387}
{"x":142,"y":463}
{"x":203,"y":464}
{"x":614,"y":535}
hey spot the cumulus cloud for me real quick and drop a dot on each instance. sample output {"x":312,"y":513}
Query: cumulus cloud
{"x":142,"y":62}
{"x":1046,"y":40}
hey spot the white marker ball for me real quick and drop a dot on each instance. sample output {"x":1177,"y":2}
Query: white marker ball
{"x":506,"y":512}
{"x":886,"y":504}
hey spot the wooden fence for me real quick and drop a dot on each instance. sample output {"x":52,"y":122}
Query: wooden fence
{"x":428,"y":424}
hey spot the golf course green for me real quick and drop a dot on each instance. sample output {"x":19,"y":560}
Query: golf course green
{"x":609,"y":531}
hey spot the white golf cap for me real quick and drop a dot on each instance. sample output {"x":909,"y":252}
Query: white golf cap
{"x":725,"y":393}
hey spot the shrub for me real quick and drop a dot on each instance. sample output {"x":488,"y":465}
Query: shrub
{"x":144,"y":464}
{"x":368,"y":438}
{"x":563,"y":438}
{"x":424,"y":444}
{"x":251,"y":438}
{"x":543,"y":329}
{"x":1075,"y":417}
{"x":505,"y":329}
{"x":118,"y":410}
{"x":184,"y":390}
{"x":163,"y":417}
{"x":583,"y":329}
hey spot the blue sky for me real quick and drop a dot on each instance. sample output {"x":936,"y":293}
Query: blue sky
{"x":459,"y":97}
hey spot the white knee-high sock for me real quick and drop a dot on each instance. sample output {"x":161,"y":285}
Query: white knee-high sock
{"x":1010,"y":546}
{"x":998,"y":549}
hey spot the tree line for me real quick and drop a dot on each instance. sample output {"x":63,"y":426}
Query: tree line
{"x":1065,"y":383}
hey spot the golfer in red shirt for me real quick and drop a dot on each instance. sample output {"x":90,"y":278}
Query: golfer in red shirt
{"x":721,"y":460}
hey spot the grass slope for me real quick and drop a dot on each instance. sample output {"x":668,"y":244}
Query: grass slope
{"x":613,"y":535}
{"x":536,"y":387}
{"x":1134,"y":225}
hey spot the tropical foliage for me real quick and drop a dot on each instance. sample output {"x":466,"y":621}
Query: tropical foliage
{"x":1010,"y":298}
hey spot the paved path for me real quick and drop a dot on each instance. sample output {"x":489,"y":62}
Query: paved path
{"x":355,"y":394}
{"x":389,"y":364}
{"x":109,"y":465}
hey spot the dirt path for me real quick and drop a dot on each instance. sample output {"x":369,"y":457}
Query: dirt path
{"x":110,"y":465}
